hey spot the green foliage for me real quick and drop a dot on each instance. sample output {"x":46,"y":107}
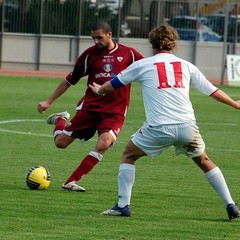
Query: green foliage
{"x":171,"y":198}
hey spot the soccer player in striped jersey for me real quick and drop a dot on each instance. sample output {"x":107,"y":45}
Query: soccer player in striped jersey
{"x":104,"y":115}
{"x":165,"y":82}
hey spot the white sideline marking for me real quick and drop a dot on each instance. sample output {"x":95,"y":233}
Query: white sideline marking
{"x":23,"y":133}
{"x":21,"y":120}
{"x":48,"y":135}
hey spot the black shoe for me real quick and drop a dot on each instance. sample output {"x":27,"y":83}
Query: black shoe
{"x":233,"y":211}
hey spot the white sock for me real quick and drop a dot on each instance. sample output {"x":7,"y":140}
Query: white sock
{"x":216,"y":179}
{"x":126,"y":179}
{"x":57,"y":132}
{"x":97,"y":155}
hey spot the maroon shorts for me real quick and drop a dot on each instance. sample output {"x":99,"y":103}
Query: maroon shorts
{"x":85,"y":124}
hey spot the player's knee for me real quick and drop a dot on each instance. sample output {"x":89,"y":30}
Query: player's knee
{"x":60,"y":144}
{"x":103,"y":144}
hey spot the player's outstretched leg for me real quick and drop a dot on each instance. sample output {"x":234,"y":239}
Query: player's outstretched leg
{"x":83,"y":169}
{"x":217,"y":180}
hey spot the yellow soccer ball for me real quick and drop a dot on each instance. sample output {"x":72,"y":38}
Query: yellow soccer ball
{"x":38,"y":178}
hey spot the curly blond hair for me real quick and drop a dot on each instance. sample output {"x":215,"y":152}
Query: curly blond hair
{"x":164,"y":37}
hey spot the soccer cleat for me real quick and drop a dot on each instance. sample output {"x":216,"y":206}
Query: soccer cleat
{"x":232,"y":211}
{"x":52,"y":119}
{"x":72,"y":186}
{"x":117,"y":211}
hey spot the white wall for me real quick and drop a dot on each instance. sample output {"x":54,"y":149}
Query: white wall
{"x":59,"y":53}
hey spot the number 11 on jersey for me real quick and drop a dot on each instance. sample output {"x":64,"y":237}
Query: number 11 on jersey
{"x":162,"y":75}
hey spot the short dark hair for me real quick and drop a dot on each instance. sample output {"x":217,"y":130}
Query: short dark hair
{"x":101,"y":25}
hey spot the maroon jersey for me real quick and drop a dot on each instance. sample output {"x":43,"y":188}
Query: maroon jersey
{"x":102,"y":66}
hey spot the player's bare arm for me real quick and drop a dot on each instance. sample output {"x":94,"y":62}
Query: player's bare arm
{"x":62,"y":87}
{"x":221,"y":96}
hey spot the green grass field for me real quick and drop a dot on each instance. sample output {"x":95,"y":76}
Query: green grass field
{"x":171,"y":197}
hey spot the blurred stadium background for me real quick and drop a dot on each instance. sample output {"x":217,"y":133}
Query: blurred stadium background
{"x":129,"y":18}
{"x":32,"y":29}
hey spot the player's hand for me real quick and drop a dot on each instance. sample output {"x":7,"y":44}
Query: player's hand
{"x":95,"y":88}
{"x":43,"y":106}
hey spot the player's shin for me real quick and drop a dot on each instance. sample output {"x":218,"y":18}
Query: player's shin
{"x":216,"y":179}
{"x":126,"y":179}
{"x":85,"y":166}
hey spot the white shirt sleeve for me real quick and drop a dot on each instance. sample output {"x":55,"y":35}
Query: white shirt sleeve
{"x":130,"y":74}
{"x":200,"y":82}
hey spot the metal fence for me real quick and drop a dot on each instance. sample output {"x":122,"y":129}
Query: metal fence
{"x":212,"y":20}
{"x":50,"y":34}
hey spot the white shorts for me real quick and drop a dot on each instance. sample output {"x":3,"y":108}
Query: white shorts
{"x":184,"y":137}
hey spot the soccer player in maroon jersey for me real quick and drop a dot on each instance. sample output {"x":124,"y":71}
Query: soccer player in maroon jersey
{"x":104,"y":115}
